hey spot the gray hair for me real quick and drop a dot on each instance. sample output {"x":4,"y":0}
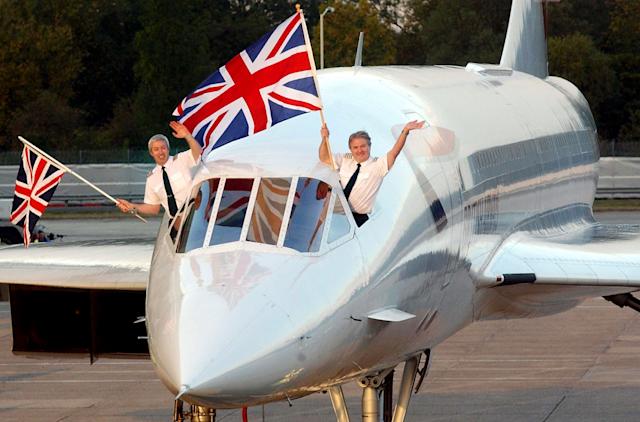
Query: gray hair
{"x":360,"y":134}
{"x":158,"y":137}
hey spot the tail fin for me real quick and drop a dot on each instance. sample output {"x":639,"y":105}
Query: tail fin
{"x":525,"y":47}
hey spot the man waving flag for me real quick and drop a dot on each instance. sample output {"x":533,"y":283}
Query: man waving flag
{"x":271,"y":81}
{"x":39,"y":175}
{"x":37,"y":180}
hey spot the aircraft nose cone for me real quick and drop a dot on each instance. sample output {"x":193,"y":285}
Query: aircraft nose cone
{"x":233,"y":353}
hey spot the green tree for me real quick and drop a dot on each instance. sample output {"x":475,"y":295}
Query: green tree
{"x":576,"y":58}
{"x":49,"y":121}
{"x":173,"y":58}
{"x":341,"y":31}
{"x":37,"y":55}
{"x":630,"y":132}
{"x":453,"y":31}
{"x":589,"y":18}
{"x":277,"y":11}
{"x":104,"y":33}
{"x":179,"y":45}
{"x":623,"y":44}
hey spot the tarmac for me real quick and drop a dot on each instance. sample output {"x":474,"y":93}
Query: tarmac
{"x":581,"y":365}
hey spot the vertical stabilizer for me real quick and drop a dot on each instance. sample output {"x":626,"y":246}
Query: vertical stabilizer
{"x":525,"y":47}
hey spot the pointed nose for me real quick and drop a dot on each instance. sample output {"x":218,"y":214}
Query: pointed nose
{"x":232,"y":354}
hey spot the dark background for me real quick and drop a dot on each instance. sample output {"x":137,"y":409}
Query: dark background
{"x":104,"y":74}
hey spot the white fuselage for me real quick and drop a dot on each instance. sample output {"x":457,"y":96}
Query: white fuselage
{"x":242,"y":322}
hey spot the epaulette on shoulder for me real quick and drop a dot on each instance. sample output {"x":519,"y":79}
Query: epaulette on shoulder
{"x":150,"y":173}
{"x":375,"y":159}
{"x":348,"y":156}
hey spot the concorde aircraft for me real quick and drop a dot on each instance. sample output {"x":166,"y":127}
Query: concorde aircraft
{"x":270,"y":291}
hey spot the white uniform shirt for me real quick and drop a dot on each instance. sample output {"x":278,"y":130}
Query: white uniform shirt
{"x":368,"y":182}
{"x":180,"y":169}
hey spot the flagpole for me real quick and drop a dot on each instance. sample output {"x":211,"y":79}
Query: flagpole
{"x":67,"y":169}
{"x":315,"y":80}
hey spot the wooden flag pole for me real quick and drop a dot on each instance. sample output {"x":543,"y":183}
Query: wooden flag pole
{"x":325,"y":140}
{"x":67,"y":169}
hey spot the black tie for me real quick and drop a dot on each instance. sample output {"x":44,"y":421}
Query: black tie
{"x":351,"y":182}
{"x":173,"y":207}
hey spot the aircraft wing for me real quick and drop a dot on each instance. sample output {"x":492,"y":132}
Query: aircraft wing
{"x":599,"y":255}
{"x":101,"y":264}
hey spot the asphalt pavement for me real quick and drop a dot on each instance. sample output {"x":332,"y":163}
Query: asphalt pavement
{"x":581,"y":365}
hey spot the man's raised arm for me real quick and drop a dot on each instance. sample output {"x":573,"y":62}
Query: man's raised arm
{"x":395,"y":151}
{"x":181,"y":131}
{"x":323,"y":150}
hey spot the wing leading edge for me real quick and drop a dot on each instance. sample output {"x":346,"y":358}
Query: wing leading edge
{"x":595,"y":255}
{"x":108,"y":264}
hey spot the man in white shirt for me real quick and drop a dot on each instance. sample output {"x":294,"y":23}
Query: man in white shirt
{"x":360,"y":174}
{"x":169,"y":183}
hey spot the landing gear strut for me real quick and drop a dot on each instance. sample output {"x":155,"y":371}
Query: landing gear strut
{"x":178,"y":411}
{"x":196,"y":413}
{"x":339,"y":405}
{"x":406,"y":385}
{"x":373,"y":385}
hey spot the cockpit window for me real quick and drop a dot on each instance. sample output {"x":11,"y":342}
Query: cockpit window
{"x":289,"y":212}
{"x":308,"y":214}
{"x":268,"y":212}
{"x":232,"y":210}
{"x":339,"y":222}
{"x":199,"y":213}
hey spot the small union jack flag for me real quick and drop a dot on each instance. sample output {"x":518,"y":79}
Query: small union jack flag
{"x":37,"y":180}
{"x":269,"y":82}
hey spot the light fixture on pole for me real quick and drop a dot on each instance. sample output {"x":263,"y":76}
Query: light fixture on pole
{"x":327,"y":10}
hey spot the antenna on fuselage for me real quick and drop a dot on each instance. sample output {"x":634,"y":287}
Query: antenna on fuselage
{"x":358,"y":61}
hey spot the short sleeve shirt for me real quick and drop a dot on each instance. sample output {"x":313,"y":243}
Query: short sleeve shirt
{"x":180,"y":169}
{"x":368,"y":182}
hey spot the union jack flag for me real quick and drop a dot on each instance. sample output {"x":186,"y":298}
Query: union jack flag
{"x":269,"y":82}
{"x":37,"y":180}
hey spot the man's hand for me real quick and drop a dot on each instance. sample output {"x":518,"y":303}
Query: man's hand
{"x":324,"y":131}
{"x":414,"y":124}
{"x":179,"y":130}
{"x":397,"y":147}
{"x":324,"y":151}
{"x":124,"y":205}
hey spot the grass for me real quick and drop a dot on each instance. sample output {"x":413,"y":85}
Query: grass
{"x":616,"y":205}
{"x":71,"y":213}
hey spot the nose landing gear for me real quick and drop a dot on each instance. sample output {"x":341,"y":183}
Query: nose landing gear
{"x":382,"y":383}
{"x":195,"y":413}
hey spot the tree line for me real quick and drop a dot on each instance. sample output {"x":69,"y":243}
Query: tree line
{"x":105,"y":74}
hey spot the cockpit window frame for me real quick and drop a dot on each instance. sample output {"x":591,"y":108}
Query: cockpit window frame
{"x":336,"y":195}
{"x":328,"y":218}
{"x":222,"y":182}
{"x":250,"y":207}
{"x":287,"y":212}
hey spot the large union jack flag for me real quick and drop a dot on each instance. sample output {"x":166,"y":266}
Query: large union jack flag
{"x":271,"y":81}
{"x":37,"y":180}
